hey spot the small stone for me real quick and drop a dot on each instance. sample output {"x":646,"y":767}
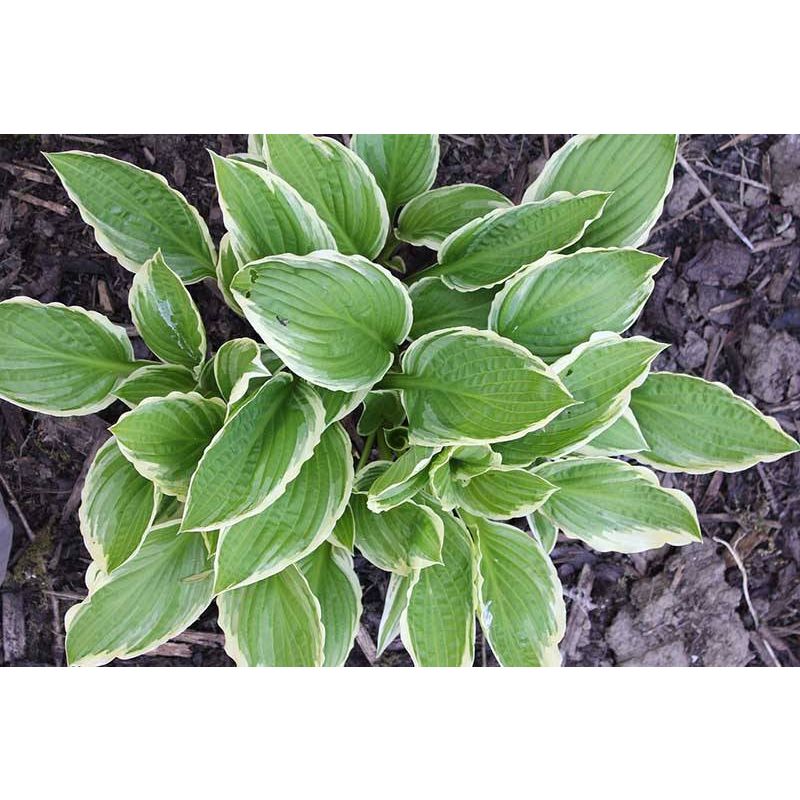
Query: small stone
{"x":693,"y":352}
{"x":772,"y":363}
{"x":684,"y":191}
{"x":716,"y":304}
{"x":785,"y":167}
{"x":719,"y":264}
{"x":679,"y":292}
{"x":755,"y":197}
{"x":685,"y":615}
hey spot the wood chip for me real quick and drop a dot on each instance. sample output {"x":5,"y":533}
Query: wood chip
{"x":715,"y":204}
{"x":14,"y":640}
{"x":56,"y":208}
{"x":172,"y":650}
{"x":201,"y":638}
{"x":26,"y":173}
{"x":578,"y":612}
{"x":367,"y":646}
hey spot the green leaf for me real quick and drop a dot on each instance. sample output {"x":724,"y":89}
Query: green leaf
{"x":464,"y":386}
{"x":253,"y":458}
{"x":397,"y":438}
{"x":331,"y":577}
{"x":694,"y":426}
{"x":339,"y":404}
{"x":368,"y":474}
{"x":560,"y":301}
{"x":170,"y":509}
{"x":543,"y":530}
{"x":164,"y":437}
{"x":235,"y":359}
{"x":431,"y":217}
{"x":276,"y":622}
{"x":404,"y":164}
{"x":293,"y":525}
{"x":520,"y":603}
{"x":155,"y":595}
{"x":402,"y":480}
{"x":622,"y":438}
{"x":402,"y":539}
{"x":227,"y":267}
{"x":255,"y":145}
{"x":394,"y":605}
{"x":468,"y":461}
{"x":496,"y":493}
{"x":637,"y":168}
{"x":134,"y":213}
{"x":437,"y":306}
{"x":117,"y":508}
{"x":438,"y":625}
{"x":491,"y":249}
{"x":344,"y":531}
{"x":264,"y":215}
{"x":338,"y":184}
{"x":614,"y":506}
{"x":381,"y":409}
{"x":166,"y":316}
{"x":334,"y":320}
{"x":600,"y":375}
{"x":60,"y":360}
{"x":154,"y":380}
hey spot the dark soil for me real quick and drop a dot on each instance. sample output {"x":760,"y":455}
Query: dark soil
{"x":730,"y":315}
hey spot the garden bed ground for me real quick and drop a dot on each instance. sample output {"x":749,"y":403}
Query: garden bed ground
{"x":730,"y":313}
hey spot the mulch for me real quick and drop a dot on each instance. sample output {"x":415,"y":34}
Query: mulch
{"x":726,"y":300}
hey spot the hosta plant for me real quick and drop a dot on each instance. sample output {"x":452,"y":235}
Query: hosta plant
{"x":492,"y":399}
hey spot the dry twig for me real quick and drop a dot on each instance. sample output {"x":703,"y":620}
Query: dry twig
{"x":16,"y":506}
{"x":56,"y":208}
{"x":366,"y":645}
{"x":715,"y":204}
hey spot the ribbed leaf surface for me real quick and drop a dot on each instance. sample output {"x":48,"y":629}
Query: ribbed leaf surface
{"x":463,"y":386}
{"x":560,"y":301}
{"x":431,"y":217}
{"x":637,"y":168}
{"x":491,"y":249}
{"x":334,"y":320}
{"x":164,"y":437}
{"x":614,"y":506}
{"x":60,"y":360}
{"x":117,"y":508}
{"x":496,"y":493}
{"x":273,"y":623}
{"x":520,"y":605}
{"x":437,"y":306}
{"x":402,"y":539}
{"x":135,"y":212}
{"x":294,"y":524}
{"x":154,"y":380}
{"x":695,"y":426}
{"x":331,"y":577}
{"x":600,"y":375}
{"x":438,"y":626}
{"x":404,"y":164}
{"x":166,"y":315}
{"x":264,"y":215}
{"x":153,"y":596}
{"x":252,"y":459}
{"x":339,"y":186}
